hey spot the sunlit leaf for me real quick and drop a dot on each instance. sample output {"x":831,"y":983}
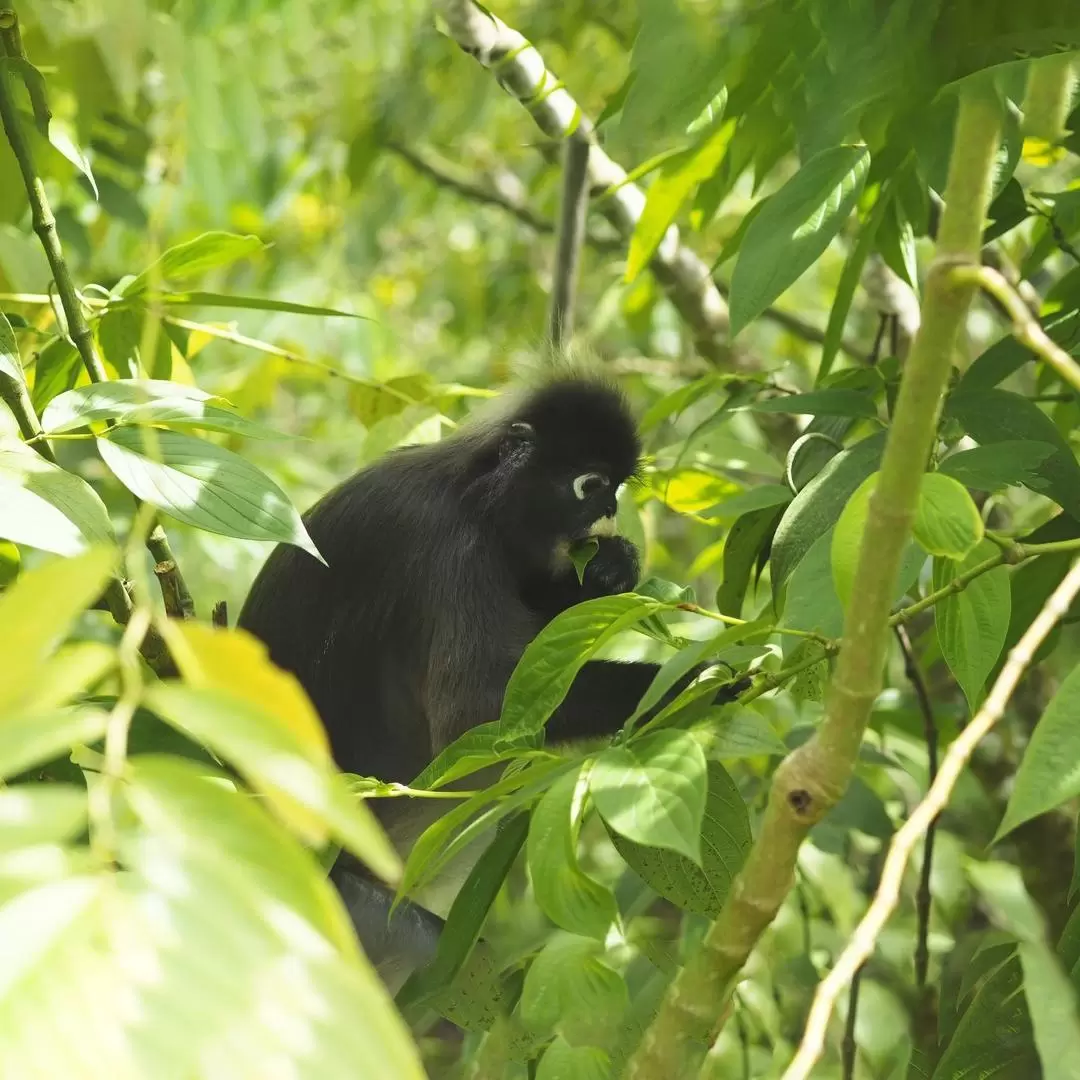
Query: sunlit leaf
{"x":37,"y":813}
{"x":193,"y":257}
{"x":947,"y":521}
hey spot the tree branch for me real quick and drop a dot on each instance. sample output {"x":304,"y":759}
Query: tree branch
{"x":1025,"y":328}
{"x":572,"y":214}
{"x":520,"y":70}
{"x":77,"y":327}
{"x":814,"y":777}
{"x":937,"y":798}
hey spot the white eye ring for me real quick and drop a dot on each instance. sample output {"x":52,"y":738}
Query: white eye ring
{"x":585,"y":481}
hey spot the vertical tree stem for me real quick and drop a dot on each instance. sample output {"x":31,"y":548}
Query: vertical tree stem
{"x":815,"y":776}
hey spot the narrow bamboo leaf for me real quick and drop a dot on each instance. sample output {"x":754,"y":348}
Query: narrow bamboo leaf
{"x":794,"y":227}
{"x":849,"y":282}
{"x":564,"y":893}
{"x":43,"y":506}
{"x":669,"y":192}
{"x":653,"y":791}
{"x":299,"y":780}
{"x":725,"y":843}
{"x":186,"y":260}
{"x":203,"y":485}
{"x":37,"y":612}
{"x":998,"y":466}
{"x":947,"y":521}
{"x":820,"y":403}
{"x":972,"y":624}
{"x":548,"y":666}
{"x":256,"y":303}
{"x":1046,"y":778}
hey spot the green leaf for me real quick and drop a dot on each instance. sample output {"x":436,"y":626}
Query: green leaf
{"x":57,"y":369}
{"x":28,"y":739}
{"x":10,"y":362}
{"x":108,"y":400}
{"x":738,"y":732}
{"x":669,"y":192}
{"x":972,"y":624}
{"x":561,"y":1061}
{"x":548,"y":666}
{"x":477,"y":748}
{"x":996,"y":467}
{"x":467,"y":914}
{"x":297,"y":776}
{"x":581,"y":554}
{"x":745,"y":542}
{"x":817,"y":507}
{"x":203,"y":485}
{"x":820,"y":403}
{"x":40,"y":813}
{"x":1048,"y":774}
{"x":189,"y":259}
{"x":43,"y":506}
{"x":794,"y":227}
{"x":947,"y":521}
{"x":847,"y":538}
{"x":725,"y":843}
{"x":255,"y":303}
{"x":652,"y":791}
{"x":37,"y":612}
{"x":996,"y":416}
{"x":563,"y":892}
{"x":571,"y":991}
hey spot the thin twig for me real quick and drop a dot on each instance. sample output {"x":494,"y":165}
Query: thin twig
{"x":863,"y":941}
{"x":572,"y":214}
{"x":1025,"y":328}
{"x":849,"y":1048}
{"x":923,"y":898}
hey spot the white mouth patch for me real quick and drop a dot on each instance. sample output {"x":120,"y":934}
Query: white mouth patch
{"x":604,"y":526}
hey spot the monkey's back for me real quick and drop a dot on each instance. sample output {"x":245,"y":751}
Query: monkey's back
{"x":357,"y":633}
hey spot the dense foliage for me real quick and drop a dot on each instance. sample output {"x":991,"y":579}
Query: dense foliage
{"x":833,"y":257}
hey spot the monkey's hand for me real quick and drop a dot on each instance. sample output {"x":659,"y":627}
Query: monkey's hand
{"x":613,"y":569}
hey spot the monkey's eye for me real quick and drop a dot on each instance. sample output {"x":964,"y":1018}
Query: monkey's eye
{"x":521,"y":431}
{"x":589,"y":483}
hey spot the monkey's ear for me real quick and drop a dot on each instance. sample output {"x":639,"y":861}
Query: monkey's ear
{"x":519,"y":437}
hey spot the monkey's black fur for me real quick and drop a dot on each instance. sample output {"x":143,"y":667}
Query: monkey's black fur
{"x":445,"y":561}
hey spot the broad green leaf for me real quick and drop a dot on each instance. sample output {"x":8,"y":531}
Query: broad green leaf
{"x":28,"y":739}
{"x":566,"y":895}
{"x":738,"y":732}
{"x":257,"y":303}
{"x":189,"y":259}
{"x":583,"y":553}
{"x":743,"y":547}
{"x":669,"y":192}
{"x":57,"y":369}
{"x":725,"y":843}
{"x":37,"y":612}
{"x":816,"y":508}
{"x":1049,"y":772}
{"x":947,"y":521}
{"x":760,"y":497}
{"x":571,"y":991}
{"x":236,"y":663}
{"x":652,"y":791}
{"x":972,"y":624}
{"x":993,"y":1038}
{"x":10,"y":363}
{"x":296,"y":776}
{"x":794,"y":227}
{"x":467,"y":913}
{"x":46,"y":507}
{"x":562,"y":1061}
{"x":998,"y":466}
{"x":820,"y":403}
{"x":996,"y":416}
{"x":548,"y":666}
{"x":475,"y":749}
{"x":1051,"y":999}
{"x":203,"y":485}
{"x":847,"y":538}
{"x":1009,"y":355}
{"x":107,"y":400}
{"x":40,"y":813}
